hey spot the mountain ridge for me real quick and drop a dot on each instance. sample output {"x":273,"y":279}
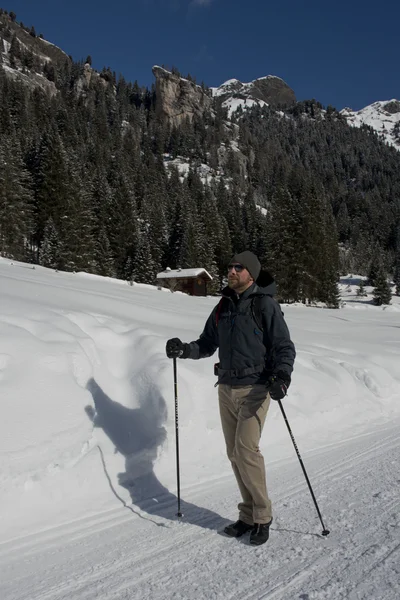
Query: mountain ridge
{"x":32,"y":59}
{"x":383,"y":116}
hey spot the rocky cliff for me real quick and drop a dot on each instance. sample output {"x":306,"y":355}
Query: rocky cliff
{"x":178,"y":98}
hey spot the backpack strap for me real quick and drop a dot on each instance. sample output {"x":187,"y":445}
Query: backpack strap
{"x":219,"y":309}
{"x":256,"y":311}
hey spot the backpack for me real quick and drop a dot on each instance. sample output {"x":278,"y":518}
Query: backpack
{"x":255,"y":309}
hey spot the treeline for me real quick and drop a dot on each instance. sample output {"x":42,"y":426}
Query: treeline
{"x":85,"y":185}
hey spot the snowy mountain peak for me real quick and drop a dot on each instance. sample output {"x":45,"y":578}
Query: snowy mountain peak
{"x":236,"y":84}
{"x":264,"y":91}
{"x":383,"y":116}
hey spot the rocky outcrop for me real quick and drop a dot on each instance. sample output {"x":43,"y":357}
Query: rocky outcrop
{"x":392,"y":107}
{"x":178,"y":98}
{"x":270,"y":90}
{"x":274,"y":91}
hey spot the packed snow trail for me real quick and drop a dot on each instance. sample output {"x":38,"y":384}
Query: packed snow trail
{"x":120,"y":554}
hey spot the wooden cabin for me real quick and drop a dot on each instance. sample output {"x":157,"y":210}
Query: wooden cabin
{"x":190,"y":281}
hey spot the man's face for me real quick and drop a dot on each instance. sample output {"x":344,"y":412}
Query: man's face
{"x":239,"y":279}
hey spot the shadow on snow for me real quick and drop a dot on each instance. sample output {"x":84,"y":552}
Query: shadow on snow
{"x":137,"y":434}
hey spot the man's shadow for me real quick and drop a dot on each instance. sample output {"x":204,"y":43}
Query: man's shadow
{"x":136,"y":434}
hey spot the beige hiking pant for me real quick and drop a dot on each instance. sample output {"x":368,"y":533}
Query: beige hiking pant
{"x":243,"y":411}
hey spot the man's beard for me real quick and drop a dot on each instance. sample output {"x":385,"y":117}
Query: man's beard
{"x":235,"y":284}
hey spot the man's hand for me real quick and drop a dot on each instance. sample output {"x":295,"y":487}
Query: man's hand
{"x":175,"y":348}
{"x":278,"y":384}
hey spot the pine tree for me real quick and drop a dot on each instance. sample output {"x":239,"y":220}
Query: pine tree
{"x":212,"y":231}
{"x":343,"y":222}
{"x":122,"y":221}
{"x":193,"y":240}
{"x":51,"y":250}
{"x":397,"y":273}
{"x":145,"y":270}
{"x":320,"y":275}
{"x":15,"y":202}
{"x":361,"y":292}
{"x":52,"y":182}
{"x":153,"y":210}
{"x":332,"y":297}
{"x":376,"y":266}
{"x":223,"y":250}
{"x":250,"y":219}
{"x":77,"y":225}
{"x":175,"y":217}
{"x":189,"y":255}
{"x":103,"y":256}
{"x":382,"y":292}
{"x":328,"y":290}
{"x":14,"y":52}
{"x":288,"y":259}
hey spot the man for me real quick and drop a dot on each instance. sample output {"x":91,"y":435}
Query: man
{"x":256,"y":362}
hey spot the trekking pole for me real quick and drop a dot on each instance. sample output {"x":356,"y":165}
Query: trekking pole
{"x":324,"y":531}
{"x":178,"y":480}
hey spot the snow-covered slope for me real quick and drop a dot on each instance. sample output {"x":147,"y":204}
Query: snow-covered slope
{"x":382,"y":116}
{"x":87,"y":450}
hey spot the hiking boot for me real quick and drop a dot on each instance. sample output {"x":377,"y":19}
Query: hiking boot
{"x":260,"y":533}
{"x":237,"y":529}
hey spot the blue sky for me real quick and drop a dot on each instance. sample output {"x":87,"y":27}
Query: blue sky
{"x":344,"y":53}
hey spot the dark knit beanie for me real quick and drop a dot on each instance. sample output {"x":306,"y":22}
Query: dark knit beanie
{"x":250,"y":261}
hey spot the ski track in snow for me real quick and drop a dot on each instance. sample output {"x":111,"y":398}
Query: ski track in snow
{"x":87,"y":476}
{"x":119,"y":555}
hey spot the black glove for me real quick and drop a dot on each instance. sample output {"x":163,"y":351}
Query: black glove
{"x":175,"y":348}
{"x":278,"y":384}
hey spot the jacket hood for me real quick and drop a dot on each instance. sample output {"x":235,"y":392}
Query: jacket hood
{"x":264,"y":286}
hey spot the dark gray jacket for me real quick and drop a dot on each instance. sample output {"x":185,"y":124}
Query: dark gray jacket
{"x":247,"y":355}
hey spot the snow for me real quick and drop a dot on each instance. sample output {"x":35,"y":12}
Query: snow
{"x":232,"y":104}
{"x":7,"y":46}
{"x":87,"y":450}
{"x":174,"y":273}
{"x":263,"y":210}
{"x":225,"y":87}
{"x":230,"y":82}
{"x":238,"y":94}
{"x":181,"y":163}
{"x":10,"y":70}
{"x":270,"y":77}
{"x":377,"y":117}
{"x":51,"y":44}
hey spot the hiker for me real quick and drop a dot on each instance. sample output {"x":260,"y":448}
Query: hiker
{"x":256,"y":359}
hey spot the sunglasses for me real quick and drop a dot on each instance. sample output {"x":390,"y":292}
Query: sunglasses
{"x":238,"y":268}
